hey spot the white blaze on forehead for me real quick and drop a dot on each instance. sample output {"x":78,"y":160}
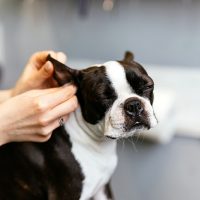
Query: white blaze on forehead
{"x":117,"y":76}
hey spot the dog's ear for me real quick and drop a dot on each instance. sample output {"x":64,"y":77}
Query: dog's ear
{"x":128,"y":56}
{"x":62,"y":73}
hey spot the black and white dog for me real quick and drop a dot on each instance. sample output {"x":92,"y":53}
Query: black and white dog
{"x":115,"y":102}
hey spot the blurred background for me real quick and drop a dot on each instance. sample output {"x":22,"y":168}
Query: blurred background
{"x":165,"y":37}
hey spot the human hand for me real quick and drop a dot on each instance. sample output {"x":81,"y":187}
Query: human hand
{"x":38,"y":73}
{"x":33,"y":115}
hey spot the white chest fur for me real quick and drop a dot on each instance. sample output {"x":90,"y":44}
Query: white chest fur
{"x":97,"y":157}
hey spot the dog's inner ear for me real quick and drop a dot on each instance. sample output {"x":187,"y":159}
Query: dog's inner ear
{"x":62,"y":73}
{"x":128,"y":57}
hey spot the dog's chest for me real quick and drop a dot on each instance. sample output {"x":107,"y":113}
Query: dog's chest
{"x":97,"y":169}
{"x":97,"y":159}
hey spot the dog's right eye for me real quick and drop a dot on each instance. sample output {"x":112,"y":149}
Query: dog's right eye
{"x":148,"y":87}
{"x":145,"y":89}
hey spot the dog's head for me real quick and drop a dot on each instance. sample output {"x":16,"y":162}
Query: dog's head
{"x":118,"y":93}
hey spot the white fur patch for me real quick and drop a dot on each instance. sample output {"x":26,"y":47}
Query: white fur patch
{"x":117,"y":76}
{"x":93,"y":153}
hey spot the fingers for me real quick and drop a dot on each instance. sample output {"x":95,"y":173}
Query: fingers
{"x":38,"y":102}
{"x":60,"y":110}
{"x":40,"y":92}
{"x":39,"y":59}
{"x":39,"y":133}
{"x":41,"y":138}
{"x":44,"y":133}
{"x":50,"y":100}
{"x":46,"y":129}
{"x":44,"y":73}
{"x":32,"y":138}
{"x":45,"y":69}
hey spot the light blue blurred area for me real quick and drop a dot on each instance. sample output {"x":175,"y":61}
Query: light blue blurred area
{"x":163,"y":34}
{"x":157,"y":31}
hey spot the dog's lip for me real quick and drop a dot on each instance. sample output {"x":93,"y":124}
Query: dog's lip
{"x":111,"y":137}
{"x":137,"y":123}
{"x":140,"y":125}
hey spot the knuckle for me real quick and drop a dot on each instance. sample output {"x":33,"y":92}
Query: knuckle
{"x":74,"y":103}
{"x":43,"y":121}
{"x":43,"y":139}
{"x":46,"y":138}
{"x":44,"y":131}
{"x":39,"y":106}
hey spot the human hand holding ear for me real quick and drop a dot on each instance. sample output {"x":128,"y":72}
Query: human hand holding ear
{"x":30,"y":111}
{"x":38,"y":72}
{"x":33,"y":115}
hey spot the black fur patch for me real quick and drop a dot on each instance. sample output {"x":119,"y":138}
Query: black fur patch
{"x":30,"y":171}
{"x":95,"y":94}
{"x":137,"y":77}
{"x":108,"y":191}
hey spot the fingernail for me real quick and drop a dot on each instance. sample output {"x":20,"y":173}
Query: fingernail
{"x":47,"y":66}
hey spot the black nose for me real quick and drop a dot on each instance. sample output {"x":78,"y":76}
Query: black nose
{"x":133,"y":107}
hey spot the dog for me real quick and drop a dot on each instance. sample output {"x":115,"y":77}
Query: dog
{"x":77,"y":162}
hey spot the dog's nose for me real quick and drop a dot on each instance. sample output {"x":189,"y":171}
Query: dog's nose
{"x":133,"y":107}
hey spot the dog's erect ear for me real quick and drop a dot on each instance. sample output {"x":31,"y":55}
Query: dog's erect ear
{"x":128,"y":57}
{"x":62,"y":73}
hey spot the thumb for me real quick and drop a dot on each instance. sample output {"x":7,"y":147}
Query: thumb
{"x":46,"y":71}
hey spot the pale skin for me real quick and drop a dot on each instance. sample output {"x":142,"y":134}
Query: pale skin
{"x":31,"y":110}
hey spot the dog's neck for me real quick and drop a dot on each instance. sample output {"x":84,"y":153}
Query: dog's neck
{"x":81,"y":130}
{"x":86,"y":136}
{"x":96,"y":132}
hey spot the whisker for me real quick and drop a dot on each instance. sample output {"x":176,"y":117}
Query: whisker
{"x":123,"y":142}
{"x":143,"y":136}
{"x":138,"y":136}
{"x":133,"y":144}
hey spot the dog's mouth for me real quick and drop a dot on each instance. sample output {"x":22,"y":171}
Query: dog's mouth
{"x":137,"y":126}
{"x":110,"y":137}
{"x":141,"y":125}
{"x":124,"y":131}
{"x":136,"y":123}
